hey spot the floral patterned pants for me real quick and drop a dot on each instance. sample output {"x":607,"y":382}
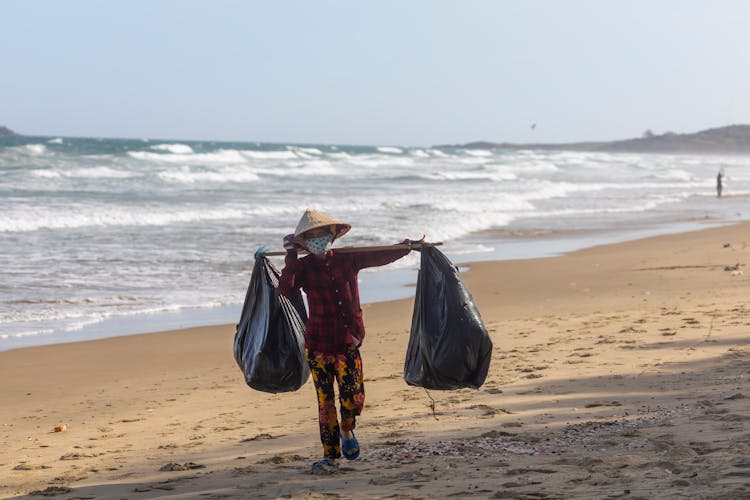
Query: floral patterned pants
{"x":346,"y":369}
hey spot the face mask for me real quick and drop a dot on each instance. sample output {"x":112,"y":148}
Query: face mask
{"x":319,"y":245}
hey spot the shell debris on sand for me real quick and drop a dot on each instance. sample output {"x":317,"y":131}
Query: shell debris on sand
{"x":472,"y":448}
{"x":503,"y":445}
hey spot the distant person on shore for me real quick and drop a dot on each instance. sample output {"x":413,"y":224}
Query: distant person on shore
{"x":334,"y":329}
{"x":719,"y":183}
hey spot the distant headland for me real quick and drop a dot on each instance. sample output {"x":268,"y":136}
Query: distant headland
{"x":6,"y":132}
{"x":732,"y":139}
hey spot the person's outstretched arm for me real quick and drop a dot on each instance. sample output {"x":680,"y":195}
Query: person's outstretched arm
{"x":379,"y":258}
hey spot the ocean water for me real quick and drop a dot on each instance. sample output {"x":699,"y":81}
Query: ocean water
{"x":102,"y":237}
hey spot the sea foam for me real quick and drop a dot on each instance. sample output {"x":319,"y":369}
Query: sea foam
{"x":218,"y":157}
{"x":180,"y":149}
{"x":188,"y":175}
{"x":389,"y":150}
{"x":105,"y":216}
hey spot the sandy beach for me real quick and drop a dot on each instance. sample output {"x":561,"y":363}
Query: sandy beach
{"x":618,"y":372}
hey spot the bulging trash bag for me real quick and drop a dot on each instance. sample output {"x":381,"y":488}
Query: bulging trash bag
{"x":269,"y":344}
{"x":449,"y":347}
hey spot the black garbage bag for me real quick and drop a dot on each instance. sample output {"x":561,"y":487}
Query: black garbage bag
{"x":269,"y":344}
{"x":449,"y":347}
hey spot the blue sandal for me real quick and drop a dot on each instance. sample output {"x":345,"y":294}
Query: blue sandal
{"x":325,"y":466}
{"x":350,"y":447}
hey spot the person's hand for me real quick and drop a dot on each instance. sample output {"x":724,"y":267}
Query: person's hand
{"x":260,"y":252}
{"x":289,"y":242}
{"x":409,"y":242}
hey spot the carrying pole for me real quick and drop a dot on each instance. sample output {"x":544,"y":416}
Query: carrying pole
{"x":383,"y":248}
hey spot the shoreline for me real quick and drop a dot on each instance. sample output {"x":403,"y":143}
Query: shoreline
{"x":618,"y":368}
{"x":379,"y":286}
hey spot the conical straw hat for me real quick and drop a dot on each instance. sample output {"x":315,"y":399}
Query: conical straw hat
{"x":313,"y":219}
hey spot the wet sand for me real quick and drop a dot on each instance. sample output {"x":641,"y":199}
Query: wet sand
{"x":618,"y":372}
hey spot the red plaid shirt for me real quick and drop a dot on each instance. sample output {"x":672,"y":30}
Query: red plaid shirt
{"x":335,"y":316}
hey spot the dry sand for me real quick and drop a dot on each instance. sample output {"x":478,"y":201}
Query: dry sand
{"x":618,"y":372}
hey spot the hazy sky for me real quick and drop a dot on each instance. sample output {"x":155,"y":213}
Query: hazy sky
{"x":403,"y":72}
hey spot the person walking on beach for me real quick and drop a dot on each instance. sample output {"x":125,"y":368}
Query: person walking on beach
{"x":334,"y":330}
{"x":719,"y":183}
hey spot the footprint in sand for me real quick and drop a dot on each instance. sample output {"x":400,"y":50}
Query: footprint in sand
{"x":174,"y":466}
{"x":70,"y":477}
{"x":630,"y":329}
{"x":603,"y":403}
{"x":260,"y":437}
{"x":487,"y":411}
{"x":581,"y":354}
{"x":402,"y":477}
{"x":78,"y":456}
{"x":28,"y":466}
{"x":244,"y":471}
{"x":282,"y":459}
